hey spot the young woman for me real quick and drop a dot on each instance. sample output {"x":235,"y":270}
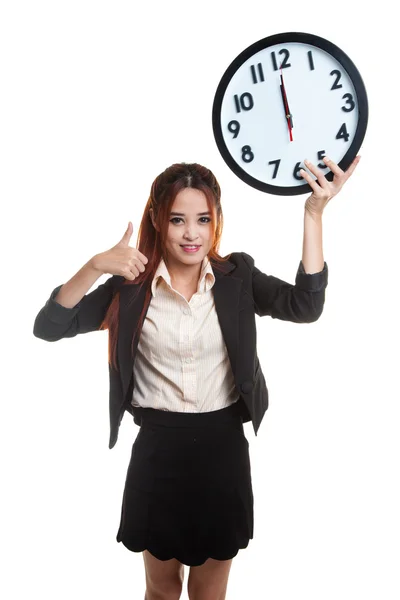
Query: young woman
{"x":183,"y":362}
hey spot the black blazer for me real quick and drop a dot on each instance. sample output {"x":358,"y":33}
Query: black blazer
{"x":240,"y":291}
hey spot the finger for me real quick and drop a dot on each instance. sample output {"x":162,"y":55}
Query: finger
{"x":336,"y":170}
{"x":312,"y":183}
{"x":127,"y":235}
{"x":318,"y":173}
{"x":352,"y":167}
{"x":143,"y":258}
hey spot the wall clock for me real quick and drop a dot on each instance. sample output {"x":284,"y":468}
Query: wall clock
{"x":286,"y":98}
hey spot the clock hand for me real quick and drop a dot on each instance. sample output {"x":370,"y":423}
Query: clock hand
{"x":288,"y":115}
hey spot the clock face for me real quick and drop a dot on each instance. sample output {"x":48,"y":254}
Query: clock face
{"x":286,"y":98}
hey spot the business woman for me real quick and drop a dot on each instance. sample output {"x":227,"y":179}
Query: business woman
{"x":183,"y":362}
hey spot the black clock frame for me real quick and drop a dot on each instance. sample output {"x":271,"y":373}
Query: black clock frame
{"x":279,"y":38}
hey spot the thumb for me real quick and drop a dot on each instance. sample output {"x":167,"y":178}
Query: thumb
{"x":127,"y":235}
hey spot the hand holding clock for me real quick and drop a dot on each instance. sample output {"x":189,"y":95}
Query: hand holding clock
{"x":324,"y":190}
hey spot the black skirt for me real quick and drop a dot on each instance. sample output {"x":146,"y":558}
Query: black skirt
{"x":188,"y":490}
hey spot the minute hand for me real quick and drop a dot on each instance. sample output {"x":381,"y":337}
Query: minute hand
{"x":288,"y":115}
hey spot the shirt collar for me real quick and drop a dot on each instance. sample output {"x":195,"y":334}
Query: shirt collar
{"x":206,"y":279}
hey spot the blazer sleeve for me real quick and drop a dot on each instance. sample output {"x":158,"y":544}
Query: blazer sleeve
{"x":302,"y":302}
{"x":55,"y":322}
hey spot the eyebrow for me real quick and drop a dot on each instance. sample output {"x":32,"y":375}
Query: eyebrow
{"x":183,"y":214}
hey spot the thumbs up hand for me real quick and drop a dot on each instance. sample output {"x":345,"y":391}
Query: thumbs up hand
{"x":121,"y":259}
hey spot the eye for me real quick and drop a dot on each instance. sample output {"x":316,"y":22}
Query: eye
{"x":180,"y":219}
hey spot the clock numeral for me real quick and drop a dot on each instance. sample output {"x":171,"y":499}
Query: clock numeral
{"x":254,"y":74}
{"x":338,"y":76}
{"x":234,"y":127}
{"x":310,"y":60}
{"x":342,"y":133}
{"x":296,"y":173}
{"x":349,"y":101}
{"x":284,"y":63}
{"x":246,"y":151}
{"x":276,"y":163}
{"x":245,"y":102}
{"x":321,"y":155}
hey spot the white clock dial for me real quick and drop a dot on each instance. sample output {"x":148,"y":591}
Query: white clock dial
{"x":251,"y":117}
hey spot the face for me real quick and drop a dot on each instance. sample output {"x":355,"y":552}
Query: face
{"x":188,"y":227}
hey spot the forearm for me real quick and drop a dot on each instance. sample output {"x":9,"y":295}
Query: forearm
{"x":73,"y":290}
{"x":313,"y":258}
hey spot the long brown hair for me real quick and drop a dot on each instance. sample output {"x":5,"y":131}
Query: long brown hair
{"x":151,"y":242}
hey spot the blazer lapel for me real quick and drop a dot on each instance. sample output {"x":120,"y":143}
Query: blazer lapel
{"x":226,"y":291}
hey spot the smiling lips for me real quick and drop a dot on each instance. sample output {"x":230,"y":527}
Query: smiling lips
{"x":190,"y":248}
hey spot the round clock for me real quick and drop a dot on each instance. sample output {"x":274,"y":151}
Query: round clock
{"x":286,"y":98}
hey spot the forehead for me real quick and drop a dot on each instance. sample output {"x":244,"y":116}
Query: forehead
{"x":190,"y":200}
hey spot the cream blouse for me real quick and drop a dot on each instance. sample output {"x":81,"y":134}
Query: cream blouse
{"x":181,"y":363}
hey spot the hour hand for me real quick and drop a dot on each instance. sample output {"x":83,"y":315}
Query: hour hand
{"x":288,"y":115}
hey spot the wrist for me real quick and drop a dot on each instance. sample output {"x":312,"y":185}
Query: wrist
{"x":314,"y":215}
{"x":92,"y":264}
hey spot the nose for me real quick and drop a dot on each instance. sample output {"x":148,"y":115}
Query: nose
{"x":191,"y":235}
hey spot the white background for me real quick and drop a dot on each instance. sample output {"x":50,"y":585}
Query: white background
{"x":97,"y":98}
